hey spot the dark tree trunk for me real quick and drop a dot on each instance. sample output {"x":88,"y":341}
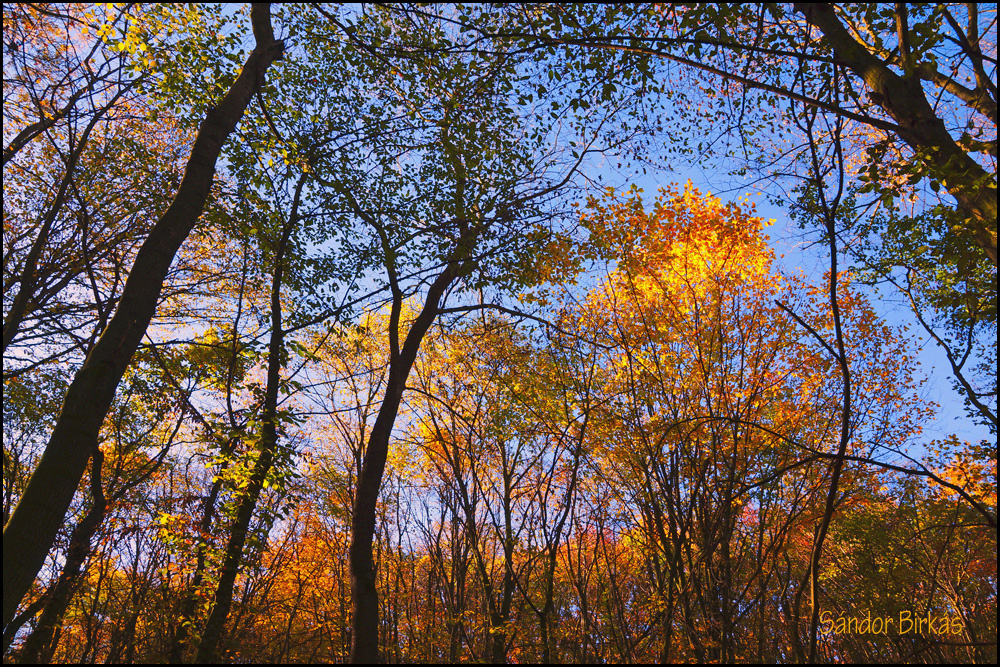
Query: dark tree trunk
{"x":32,"y":528}
{"x":208,"y":648}
{"x":364,"y":595}
{"x":41,"y":643}
{"x":181,"y":632}
{"x":903,"y":98}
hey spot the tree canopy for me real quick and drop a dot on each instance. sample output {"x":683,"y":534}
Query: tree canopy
{"x":349,"y":333}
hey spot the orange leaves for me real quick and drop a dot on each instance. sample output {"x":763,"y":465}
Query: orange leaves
{"x":971,"y":467}
{"x":693,"y":288}
{"x":679,"y":264}
{"x":686,"y":232}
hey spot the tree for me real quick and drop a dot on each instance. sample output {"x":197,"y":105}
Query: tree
{"x":864,"y":63}
{"x":137,"y":428}
{"x":378,"y":413}
{"x":440,"y":207}
{"x":902,"y":97}
{"x":507,"y":451}
{"x":718,"y":404}
{"x":270,"y":450}
{"x":29,"y":532}
{"x":66,"y":236}
{"x":911,"y":90}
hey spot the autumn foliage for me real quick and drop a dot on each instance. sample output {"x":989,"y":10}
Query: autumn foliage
{"x":600,"y":426}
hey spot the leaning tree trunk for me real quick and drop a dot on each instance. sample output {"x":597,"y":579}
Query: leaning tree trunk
{"x":903,"y":98}
{"x":364,"y":595}
{"x":41,"y":511}
{"x":212,"y":634}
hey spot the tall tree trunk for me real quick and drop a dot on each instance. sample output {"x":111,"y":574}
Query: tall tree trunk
{"x":364,"y":595}
{"x":32,"y":528}
{"x":208,"y":647}
{"x":181,"y":632}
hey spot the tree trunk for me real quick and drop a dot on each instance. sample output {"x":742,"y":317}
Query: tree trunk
{"x":919,"y":126}
{"x":41,"y":643}
{"x":32,"y":528}
{"x":364,"y":595}
{"x":181,"y":632}
{"x":208,"y":648}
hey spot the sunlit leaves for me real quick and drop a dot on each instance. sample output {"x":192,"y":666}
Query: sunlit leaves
{"x":632,"y":472}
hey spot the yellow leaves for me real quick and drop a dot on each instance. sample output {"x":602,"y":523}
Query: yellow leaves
{"x":688,"y":233}
{"x":685,"y":261}
{"x":972,"y":468}
{"x":694,"y":335}
{"x":170,"y":527}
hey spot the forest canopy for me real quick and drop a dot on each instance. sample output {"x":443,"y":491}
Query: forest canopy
{"x":409,"y":333}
